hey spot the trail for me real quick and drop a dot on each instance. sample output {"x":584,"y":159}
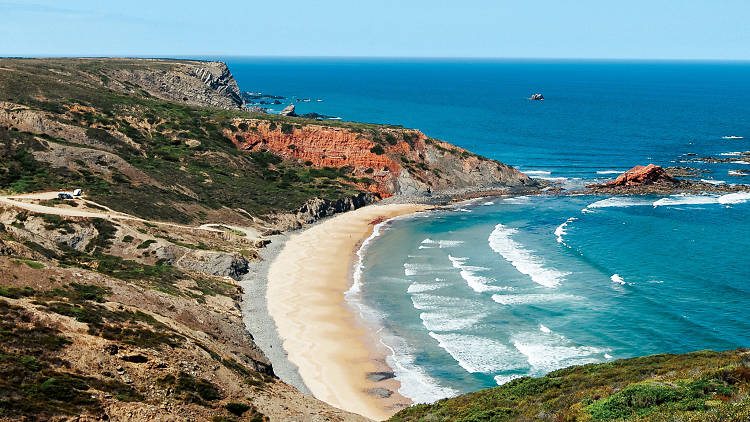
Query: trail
{"x":17,"y":201}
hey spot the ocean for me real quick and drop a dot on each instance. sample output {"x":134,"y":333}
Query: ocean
{"x":497,"y":288}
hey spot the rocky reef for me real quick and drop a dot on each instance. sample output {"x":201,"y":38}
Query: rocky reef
{"x":653,"y":179}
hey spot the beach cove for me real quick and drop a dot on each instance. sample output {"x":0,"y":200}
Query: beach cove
{"x":333,"y":351}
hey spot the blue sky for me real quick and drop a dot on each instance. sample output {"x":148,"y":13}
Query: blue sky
{"x":648,"y":29}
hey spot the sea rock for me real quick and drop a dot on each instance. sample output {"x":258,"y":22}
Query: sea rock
{"x":642,"y":175}
{"x":537,"y":97}
{"x":288,"y":111}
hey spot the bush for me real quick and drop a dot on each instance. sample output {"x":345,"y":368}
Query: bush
{"x":237,"y":408}
{"x":377,"y":149}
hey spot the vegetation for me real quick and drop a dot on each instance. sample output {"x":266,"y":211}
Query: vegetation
{"x":697,"y":386}
{"x":193,"y":179}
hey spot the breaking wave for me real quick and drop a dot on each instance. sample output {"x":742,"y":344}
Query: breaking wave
{"x":523,"y":259}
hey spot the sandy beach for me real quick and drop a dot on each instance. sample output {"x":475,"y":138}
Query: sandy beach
{"x":332,"y":350}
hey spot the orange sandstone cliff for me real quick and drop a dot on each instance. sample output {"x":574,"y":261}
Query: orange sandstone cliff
{"x":387,"y":161}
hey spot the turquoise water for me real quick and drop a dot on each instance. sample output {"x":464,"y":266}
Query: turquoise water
{"x":504,"y":287}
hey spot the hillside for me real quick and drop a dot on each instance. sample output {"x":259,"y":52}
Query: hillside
{"x":124,"y":304}
{"x":700,"y":386}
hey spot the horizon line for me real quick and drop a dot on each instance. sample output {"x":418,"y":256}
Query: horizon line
{"x":376,"y":57}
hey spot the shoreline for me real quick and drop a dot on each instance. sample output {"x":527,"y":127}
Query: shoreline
{"x":324,"y":340}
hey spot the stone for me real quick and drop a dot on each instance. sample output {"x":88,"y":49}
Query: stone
{"x":288,"y":111}
{"x":642,"y":175}
{"x":537,"y":97}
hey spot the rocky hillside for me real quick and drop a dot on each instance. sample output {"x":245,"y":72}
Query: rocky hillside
{"x":695,"y":387}
{"x":384,"y":160}
{"x":125,"y":304}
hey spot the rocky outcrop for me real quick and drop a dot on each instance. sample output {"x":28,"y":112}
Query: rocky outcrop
{"x":214,"y":263}
{"x":208,"y":84}
{"x":289,"y":110}
{"x":643,"y":175}
{"x":318,"y":208}
{"x":385,"y":161}
{"x":537,"y":97}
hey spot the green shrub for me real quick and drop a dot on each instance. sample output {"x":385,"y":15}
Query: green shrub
{"x":377,"y":149}
{"x":237,"y":408}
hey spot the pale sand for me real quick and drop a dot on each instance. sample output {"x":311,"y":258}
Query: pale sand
{"x":321,"y":335}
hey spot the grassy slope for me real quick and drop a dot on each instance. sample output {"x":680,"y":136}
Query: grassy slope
{"x":214,"y":170}
{"x":700,"y":386}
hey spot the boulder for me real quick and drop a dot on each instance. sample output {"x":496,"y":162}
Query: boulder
{"x":288,"y":111}
{"x":537,"y":97}
{"x":642,"y":175}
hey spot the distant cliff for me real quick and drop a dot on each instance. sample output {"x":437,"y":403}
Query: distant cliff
{"x":209,"y":84}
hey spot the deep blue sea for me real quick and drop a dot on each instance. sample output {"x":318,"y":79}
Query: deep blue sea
{"x":504,"y":287}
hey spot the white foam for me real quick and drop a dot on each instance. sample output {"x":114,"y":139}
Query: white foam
{"x":537,"y":172}
{"x":610,"y":171}
{"x":442,"y":243}
{"x":416,"y":384}
{"x":560,"y":230}
{"x":451,"y":319}
{"x":477,"y":283}
{"x":617,"y":279}
{"x":356,"y":286}
{"x":740,"y":162}
{"x":534,"y":298}
{"x":686,"y":199}
{"x":554,"y":179}
{"x":713,"y":182}
{"x":544,"y":329}
{"x":607,"y":356}
{"x":417,"y":287}
{"x":619,"y":201}
{"x":734,"y":198}
{"x":504,"y":379}
{"x":524,"y":260}
{"x":488,"y":203}
{"x":547,"y":352}
{"x":736,"y":173}
{"x":731,"y":154}
{"x":480,"y":354}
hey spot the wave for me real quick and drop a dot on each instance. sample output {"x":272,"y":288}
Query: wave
{"x":546,"y":352}
{"x":416,"y":384}
{"x":442,"y":243}
{"x":524,"y":260}
{"x":537,"y":172}
{"x":544,"y":329}
{"x":560,"y":230}
{"x":417,"y":287}
{"x":713,"y":182}
{"x":451,"y":319}
{"x":619,"y":201}
{"x":488,"y":203}
{"x":731,"y":154}
{"x":736,"y":173}
{"x":477,"y":283}
{"x":480,"y":354}
{"x":356,"y":286}
{"x":533,"y":298}
{"x":685,"y":199}
{"x":740,"y":162}
{"x":610,"y":171}
{"x":617,"y":279}
{"x":504,"y":379}
{"x":734,"y":198}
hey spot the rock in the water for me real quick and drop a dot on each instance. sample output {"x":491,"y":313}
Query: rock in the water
{"x":288,"y":111}
{"x":642,"y":175}
{"x":537,"y":97}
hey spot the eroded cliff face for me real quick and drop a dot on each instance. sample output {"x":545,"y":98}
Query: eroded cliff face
{"x":385,"y":161}
{"x":197,"y":83}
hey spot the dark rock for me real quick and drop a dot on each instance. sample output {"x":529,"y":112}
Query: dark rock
{"x":135,"y":359}
{"x":317,"y":208}
{"x":537,"y":97}
{"x":383,"y":393}
{"x":380,"y":376}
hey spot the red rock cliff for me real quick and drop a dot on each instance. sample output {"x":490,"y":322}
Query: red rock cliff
{"x":397,"y":161}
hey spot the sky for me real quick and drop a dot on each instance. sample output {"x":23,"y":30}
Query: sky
{"x":596,"y":29}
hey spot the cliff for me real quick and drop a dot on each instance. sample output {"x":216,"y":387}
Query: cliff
{"x":386,"y":161}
